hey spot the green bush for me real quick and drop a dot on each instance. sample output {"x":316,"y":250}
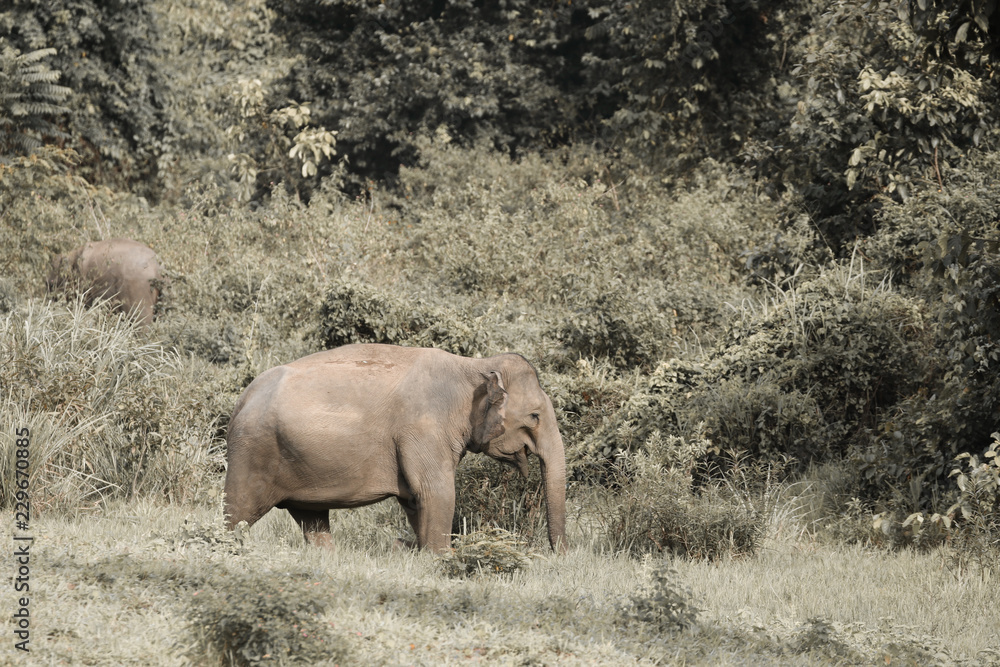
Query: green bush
{"x":944,"y":244}
{"x":249,"y":620}
{"x":217,"y":340}
{"x":976,"y":538}
{"x":762,"y":418}
{"x":584,"y":400}
{"x":853,"y":345}
{"x":665,"y":603}
{"x":819,"y":638}
{"x":656,"y":509}
{"x":654,"y":403}
{"x":807,"y":374}
{"x":356,"y":313}
{"x":628,"y":326}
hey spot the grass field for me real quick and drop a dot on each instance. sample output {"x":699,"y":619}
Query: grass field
{"x":123,"y":587}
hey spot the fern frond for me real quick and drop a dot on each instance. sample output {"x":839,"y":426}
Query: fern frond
{"x":41,"y":76}
{"x":37,"y":55}
{"x":36,"y":109}
{"x":29,"y":95}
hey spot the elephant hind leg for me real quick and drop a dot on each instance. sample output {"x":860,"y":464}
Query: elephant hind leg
{"x":243,"y":502}
{"x":315,"y":525}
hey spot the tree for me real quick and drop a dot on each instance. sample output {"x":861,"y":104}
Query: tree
{"x":678,"y":77}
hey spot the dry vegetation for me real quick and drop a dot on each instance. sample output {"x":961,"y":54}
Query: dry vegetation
{"x":147,"y":583}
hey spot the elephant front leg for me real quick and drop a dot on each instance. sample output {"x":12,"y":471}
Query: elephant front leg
{"x":427,"y":485}
{"x":431,"y":521}
{"x":410,"y":508}
{"x":315,"y":525}
{"x":434,"y":514}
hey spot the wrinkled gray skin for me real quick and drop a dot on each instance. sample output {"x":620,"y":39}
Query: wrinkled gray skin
{"x":121,"y":270}
{"x":361,"y":423}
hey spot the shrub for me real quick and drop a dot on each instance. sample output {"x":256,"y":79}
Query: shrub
{"x":209,"y":535}
{"x":819,"y":638}
{"x":249,"y":620}
{"x":976,"y":541}
{"x":807,"y":374}
{"x":628,"y":326}
{"x":664,"y":603}
{"x":583,"y":400}
{"x":356,"y":313}
{"x":763,"y":419}
{"x":656,"y":403}
{"x":656,"y":509}
{"x":944,"y":243}
{"x":852,"y":346}
{"x":218,"y":340}
{"x":979,"y":487}
{"x":827,"y":641}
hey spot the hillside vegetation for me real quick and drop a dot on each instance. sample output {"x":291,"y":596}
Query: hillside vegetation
{"x":751,"y":247}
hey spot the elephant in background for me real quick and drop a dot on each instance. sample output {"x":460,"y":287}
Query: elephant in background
{"x":121,"y":270}
{"x":361,"y":423}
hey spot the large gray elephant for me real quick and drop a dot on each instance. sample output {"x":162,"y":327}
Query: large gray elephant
{"x":361,"y":423}
{"x":121,"y":270}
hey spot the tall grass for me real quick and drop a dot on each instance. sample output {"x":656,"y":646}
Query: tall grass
{"x":107,"y":414}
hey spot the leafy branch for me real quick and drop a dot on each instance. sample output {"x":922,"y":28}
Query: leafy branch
{"x":29,"y":97}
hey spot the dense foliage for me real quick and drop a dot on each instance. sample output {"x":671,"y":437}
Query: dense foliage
{"x":766,"y":231}
{"x":523,"y":76}
{"x":105,"y":53}
{"x":751,"y":248}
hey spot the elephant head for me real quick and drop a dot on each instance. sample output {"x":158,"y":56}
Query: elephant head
{"x":511,"y":425}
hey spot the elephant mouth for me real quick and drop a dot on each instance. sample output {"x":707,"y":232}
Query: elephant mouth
{"x":518,"y":460}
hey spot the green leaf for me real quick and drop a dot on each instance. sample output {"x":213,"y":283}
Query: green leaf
{"x":983,"y":21}
{"x":962,"y":33}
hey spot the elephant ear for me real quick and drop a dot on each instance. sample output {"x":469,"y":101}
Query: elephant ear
{"x":494,"y":409}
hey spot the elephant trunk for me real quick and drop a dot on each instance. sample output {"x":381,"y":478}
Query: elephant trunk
{"x":553,"y":464}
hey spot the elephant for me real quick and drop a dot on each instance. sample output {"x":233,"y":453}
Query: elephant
{"x":121,"y":270}
{"x":357,"y":424}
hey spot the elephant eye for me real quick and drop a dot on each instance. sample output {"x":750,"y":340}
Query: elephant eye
{"x":534,"y":415}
